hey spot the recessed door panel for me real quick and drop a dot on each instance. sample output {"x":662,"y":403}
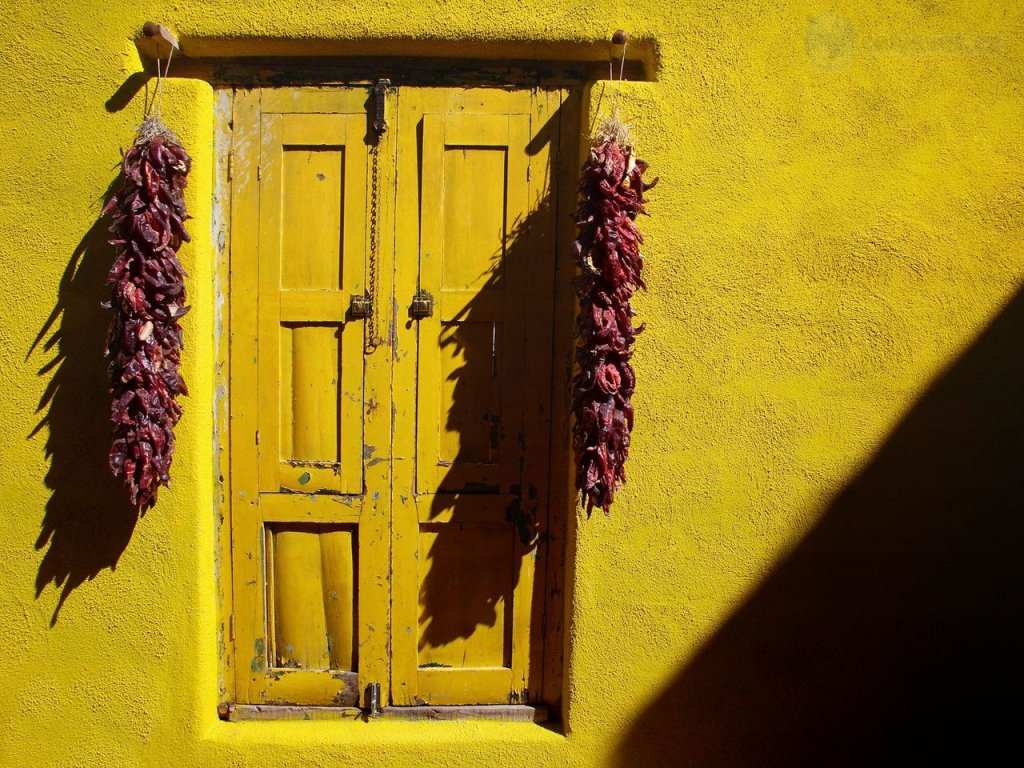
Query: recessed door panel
{"x":312,"y":254}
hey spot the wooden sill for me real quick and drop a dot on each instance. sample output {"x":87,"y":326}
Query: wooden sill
{"x":240,"y":712}
{"x":517,"y":713}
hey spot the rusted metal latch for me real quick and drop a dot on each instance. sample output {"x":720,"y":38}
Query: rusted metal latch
{"x":380,"y":93}
{"x":422,"y":305}
{"x":360,"y":306}
{"x":372,"y":699}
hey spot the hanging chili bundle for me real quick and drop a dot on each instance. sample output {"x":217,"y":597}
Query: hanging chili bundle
{"x":607,"y":250}
{"x":148,"y":299}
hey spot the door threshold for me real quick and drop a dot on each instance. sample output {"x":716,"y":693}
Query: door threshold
{"x":510,"y":713}
{"x":242,"y":712}
{"x":518,"y":713}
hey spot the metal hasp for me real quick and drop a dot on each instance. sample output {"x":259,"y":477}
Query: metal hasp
{"x":360,"y":306}
{"x":422,"y":305}
{"x":373,"y":699}
{"x":380,"y":92}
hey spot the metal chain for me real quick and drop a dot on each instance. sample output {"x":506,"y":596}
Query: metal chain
{"x":373,"y":339}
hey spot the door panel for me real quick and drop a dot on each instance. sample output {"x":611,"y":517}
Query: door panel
{"x":474,"y":192}
{"x":310,"y":534}
{"x":312,"y":596}
{"x":465,"y":537}
{"x":311,"y":259}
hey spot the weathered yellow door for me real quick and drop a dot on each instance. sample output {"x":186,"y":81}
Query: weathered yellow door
{"x":389,"y":474}
{"x":475,"y":230}
{"x":310,"y":431}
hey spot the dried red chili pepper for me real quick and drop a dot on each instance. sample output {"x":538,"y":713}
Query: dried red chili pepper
{"x":148,"y":299}
{"x":607,"y":251}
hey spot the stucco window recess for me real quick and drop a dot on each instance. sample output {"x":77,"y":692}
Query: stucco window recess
{"x":398,"y":511}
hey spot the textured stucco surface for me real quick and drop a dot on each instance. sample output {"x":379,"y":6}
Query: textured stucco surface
{"x":839,"y":219}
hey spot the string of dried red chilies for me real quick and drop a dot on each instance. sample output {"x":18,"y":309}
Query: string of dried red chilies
{"x":607,"y":250}
{"x":148,"y":299}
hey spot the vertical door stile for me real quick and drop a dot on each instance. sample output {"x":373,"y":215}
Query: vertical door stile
{"x":353,"y":281}
{"x":546,"y":117}
{"x":247,"y":553}
{"x":269,"y":299}
{"x":521,"y":373}
{"x":224,"y":109}
{"x":561,"y":494}
{"x":428,"y":330}
{"x":404,"y":525}
{"x":376,"y":407}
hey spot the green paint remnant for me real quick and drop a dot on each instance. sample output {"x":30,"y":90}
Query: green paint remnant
{"x":259,"y":661}
{"x":304,"y":478}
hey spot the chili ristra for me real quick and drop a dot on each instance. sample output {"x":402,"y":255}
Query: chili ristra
{"x":148,"y":299}
{"x":607,"y":251}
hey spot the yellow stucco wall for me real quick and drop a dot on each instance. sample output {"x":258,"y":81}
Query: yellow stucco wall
{"x":824,"y":466}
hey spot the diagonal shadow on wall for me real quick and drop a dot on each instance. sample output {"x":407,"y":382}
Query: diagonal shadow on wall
{"x":88,"y":520}
{"x":892,"y":634}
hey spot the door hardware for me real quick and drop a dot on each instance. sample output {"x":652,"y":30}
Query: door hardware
{"x":422,"y":305}
{"x":372,"y":699}
{"x":380,"y":92}
{"x":360,"y":306}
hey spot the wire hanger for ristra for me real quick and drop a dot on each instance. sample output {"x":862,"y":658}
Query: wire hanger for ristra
{"x":612,"y":127}
{"x":619,"y":37}
{"x":162,"y":41}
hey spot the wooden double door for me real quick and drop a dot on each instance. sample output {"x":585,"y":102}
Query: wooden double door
{"x":392,"y":263}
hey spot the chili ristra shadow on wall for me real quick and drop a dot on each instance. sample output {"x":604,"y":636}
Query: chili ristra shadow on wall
{"x":607,"y":251}
{"x":88,"y":521}
{"x":148,"y":299}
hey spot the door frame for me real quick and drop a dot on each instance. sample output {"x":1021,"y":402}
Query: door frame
{"x":555,"y":550}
